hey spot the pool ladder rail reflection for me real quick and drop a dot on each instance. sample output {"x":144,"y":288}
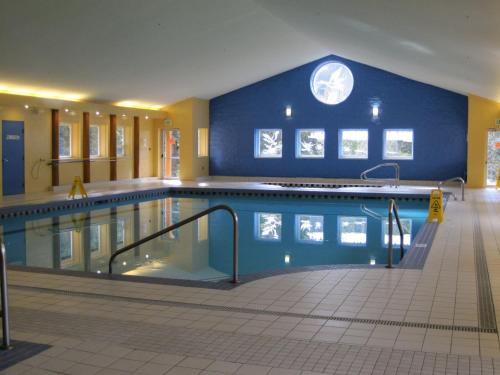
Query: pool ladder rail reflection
{"x":190,"y":219}
{"x":395,"y":180}
{"x":4,"y":299}
{"x":453,"y":179}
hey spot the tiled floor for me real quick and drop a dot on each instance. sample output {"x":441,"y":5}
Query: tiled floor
{"x":301,"y":323}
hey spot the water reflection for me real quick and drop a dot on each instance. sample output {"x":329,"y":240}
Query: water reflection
{"x":274,"y":234}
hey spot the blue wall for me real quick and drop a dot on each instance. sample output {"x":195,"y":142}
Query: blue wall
{"x":438,"y":117}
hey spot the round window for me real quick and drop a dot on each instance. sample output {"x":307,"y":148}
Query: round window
{"x":332,"y":83}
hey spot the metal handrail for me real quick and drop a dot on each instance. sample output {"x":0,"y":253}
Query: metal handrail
{"x":364,"y":176}
{"x":394,"y":209}
{"x":462,"y":185}
{"x":234,"y":217}
{"x":5,"y":299}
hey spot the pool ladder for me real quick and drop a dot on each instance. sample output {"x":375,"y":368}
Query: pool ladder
{"x":453,"y":179}
{"x":190,"y":219}
{"x":395,"y":180}
{"x":393,"y":210}
{"x":5,"y":299}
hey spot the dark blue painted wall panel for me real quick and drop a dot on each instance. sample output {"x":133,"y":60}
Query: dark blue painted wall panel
{"x":438,"y":117}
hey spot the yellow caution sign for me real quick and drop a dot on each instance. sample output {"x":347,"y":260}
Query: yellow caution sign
{"x":498,"y":179}
{"x":77,"y":183}
{"x":436,"y":210}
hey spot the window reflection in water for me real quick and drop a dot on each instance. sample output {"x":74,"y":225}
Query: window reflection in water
{"x":170,"y":214}
{"x":120,"y":233}
{"x":95,"y":238}
{"x":268,"y":226}
{"x":405,"y":223}
{"x":66,"y":244}
{"x":309,"y":228}
{"x":352,"y":230}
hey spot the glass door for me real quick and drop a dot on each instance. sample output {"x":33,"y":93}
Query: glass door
{"x":170,"y":153}
{"x":493,"y":158}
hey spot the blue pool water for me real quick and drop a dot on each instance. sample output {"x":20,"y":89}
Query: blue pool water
{"x":275,"y":235}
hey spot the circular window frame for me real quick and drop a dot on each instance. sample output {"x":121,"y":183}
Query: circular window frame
{"x":313,"y":76}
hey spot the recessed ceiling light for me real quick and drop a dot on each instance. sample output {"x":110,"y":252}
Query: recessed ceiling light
{"x":146,"y":117}
{"x":26,"y":106}
{"x":97,"y":113}
{"x":124,"y":115}
{"x":66,"y":110}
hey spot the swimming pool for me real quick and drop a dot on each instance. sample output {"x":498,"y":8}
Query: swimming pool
{"x":275,"y":235}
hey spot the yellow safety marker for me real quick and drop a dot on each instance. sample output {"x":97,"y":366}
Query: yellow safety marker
{"x":77,"y":183}
{"x":436,"y":206}
{"x":498,"y":179}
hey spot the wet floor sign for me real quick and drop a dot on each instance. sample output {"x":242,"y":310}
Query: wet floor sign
{"x":77,"y":184}
{"x":436,"y":206}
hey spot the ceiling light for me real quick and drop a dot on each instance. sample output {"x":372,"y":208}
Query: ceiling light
{"x":39,"y":92}
{"x":124,"y":263}
{"x":66,"y":110}
{"x":146,"y":117}
{"x":124,"y":115}
{"x":26,"y":106}
{"x":97,"y":113}
{"x":139,"y":105}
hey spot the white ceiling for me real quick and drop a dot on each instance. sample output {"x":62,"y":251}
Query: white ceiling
{"x":166,"y":50}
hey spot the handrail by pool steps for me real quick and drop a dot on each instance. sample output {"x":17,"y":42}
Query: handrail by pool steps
{"x":190,"y":219}
{"x":393,"y":208}
{"x":364,"y":176}
{"x":453,"y":179}
{"x":4,"y":299}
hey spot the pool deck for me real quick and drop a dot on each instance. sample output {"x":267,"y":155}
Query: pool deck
{"x":440,"y":319}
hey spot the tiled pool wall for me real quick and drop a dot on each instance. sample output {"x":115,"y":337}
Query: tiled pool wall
{"x":93,"y":201}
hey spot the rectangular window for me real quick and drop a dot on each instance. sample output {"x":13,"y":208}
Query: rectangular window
{"x":268,"y":143}
{"x":94,"y":140}
{"x":353,"y":144}
{"x":66,"y":244}
{"x":396,"y":240}
{"x":95,"y":238}
{"x":120,"y":141}
{"x":352,"y":230}
{"x":268,"y":226}
{"x":64,"y":140}
{"x":310,"y":143}
{"x":309,"y":228}
{"x":202,"y":142}
{"x":398,"y":144}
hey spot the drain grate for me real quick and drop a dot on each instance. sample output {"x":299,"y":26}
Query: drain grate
{"x":262,"y":312}
{"x":486,"y":307}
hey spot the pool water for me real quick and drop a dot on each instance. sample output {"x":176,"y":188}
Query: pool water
{"x":274,"y":235}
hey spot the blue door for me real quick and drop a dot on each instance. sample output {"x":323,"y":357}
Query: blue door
{"x":13,"y":157}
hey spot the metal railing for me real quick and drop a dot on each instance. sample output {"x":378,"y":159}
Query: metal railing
{"x":370,"y":212}
{"x":234,"y":217}
{"x":364,"y":176}
{"x":5,"y":299}
{"x":394,"y":209}
{"x":462,"y":185}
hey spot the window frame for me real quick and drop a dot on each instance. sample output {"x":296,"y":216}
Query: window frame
{"x":94,"y":126}
{"x":384,"y":144}
{"x":122,"y":154}
{"x":298,"y":147}
{"x":257,"y":138}
{"x":70,"y":136}
{"x":341,"y":139}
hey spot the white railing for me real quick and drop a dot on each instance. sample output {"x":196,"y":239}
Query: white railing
{"x":395,"y":180}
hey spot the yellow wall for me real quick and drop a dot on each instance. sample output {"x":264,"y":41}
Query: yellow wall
{"x":37,"y":128}
{"x":482,"y":116}
{"x":187,"y":116}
